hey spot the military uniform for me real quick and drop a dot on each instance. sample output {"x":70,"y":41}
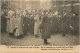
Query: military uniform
{"x":46,"y":28}
{"x":10,"y":17}
{"x":36,"y":25}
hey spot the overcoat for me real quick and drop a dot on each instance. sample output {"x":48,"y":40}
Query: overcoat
{"x":64,"y":24}
{"x":25,"y":25}
{"x":9,"y":20}
{"x":46,"y":27}
{"x":11,"y":24}
{"x":36,"y":25}
{"x":18,"y":26}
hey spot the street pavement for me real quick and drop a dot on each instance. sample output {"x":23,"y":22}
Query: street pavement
{"x":56,"y":39}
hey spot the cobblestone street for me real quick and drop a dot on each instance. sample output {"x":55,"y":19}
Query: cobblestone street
{"x":56,"y":39}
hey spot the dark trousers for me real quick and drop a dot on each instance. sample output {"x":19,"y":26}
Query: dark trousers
{"x":45,"y":41}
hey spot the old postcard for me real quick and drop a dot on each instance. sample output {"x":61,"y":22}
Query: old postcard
{"x":40,"y":26}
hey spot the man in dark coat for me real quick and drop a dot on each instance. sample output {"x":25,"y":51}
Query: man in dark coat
{"x":46,"y":25}
{"x":64,"y":24}
{"x":3,"y":21}
{"x":25,"y":25}
{"x":31,"y":24}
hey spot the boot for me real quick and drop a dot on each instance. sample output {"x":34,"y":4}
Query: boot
{"x":63,"y":35}
{"x":20,"y":37}
{"x":11,"y":34}
{"x":45,"y":42}
{"x":36,"y":36}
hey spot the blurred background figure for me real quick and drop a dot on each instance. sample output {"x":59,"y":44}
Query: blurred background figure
{"x":36,"y":25}
{"x":18,"y":25}
{"x":24,"y":22}
{"x":9,"y":28}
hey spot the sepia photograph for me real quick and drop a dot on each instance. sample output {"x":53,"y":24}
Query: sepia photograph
{"x":40,"y":22}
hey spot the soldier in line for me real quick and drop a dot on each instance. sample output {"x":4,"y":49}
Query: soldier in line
{"x":10,"y":19}
{"x":24,"y":22}
{"x":18,"y":25}
{"x":31,"y":24}
{"x":64,"y":24}
{"x":36,"y":25}
{"x":3,"y":21}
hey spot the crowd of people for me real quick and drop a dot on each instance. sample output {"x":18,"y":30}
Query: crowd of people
{"x":21,"y":22}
